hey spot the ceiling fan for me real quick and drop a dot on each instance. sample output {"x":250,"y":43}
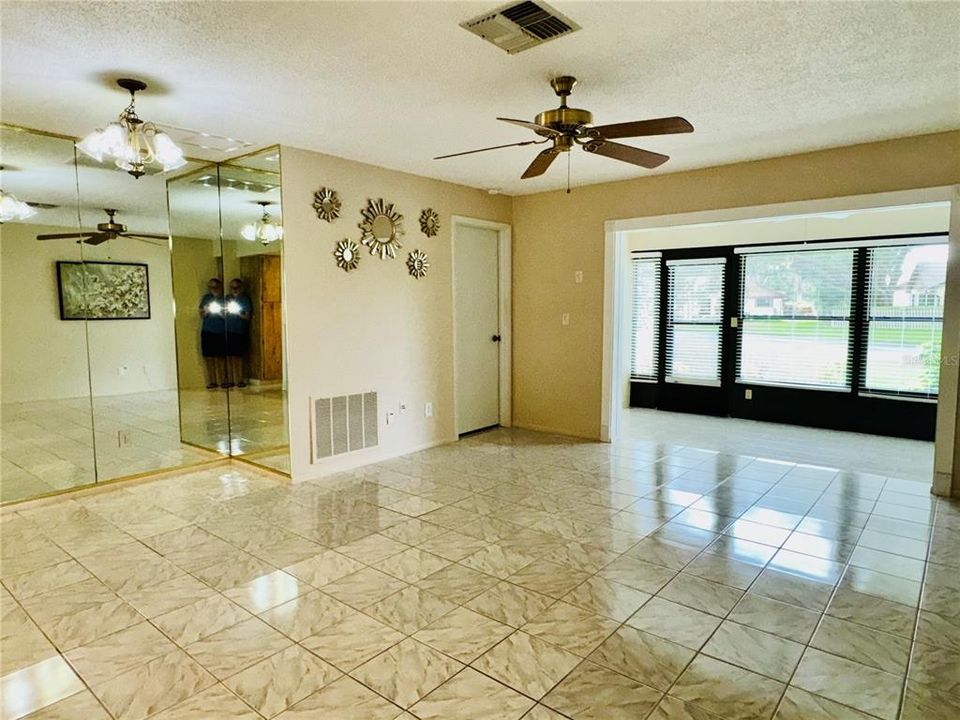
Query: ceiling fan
{"x":109,"y":230}
{"x":566,"y":127}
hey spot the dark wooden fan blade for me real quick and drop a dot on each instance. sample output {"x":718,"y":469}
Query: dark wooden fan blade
{"x":543,"y":129}
{"x":146,"y":238}
{"x":97,"y":239}
{"x":61,"y":236}
{"x":493,"y":147}
{"x":540,"y":163}
{"x":632,"y":155}
{"x":642,"y":128}
{"x":145,"y":235}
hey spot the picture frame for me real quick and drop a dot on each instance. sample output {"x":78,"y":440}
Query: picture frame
{"x":103,"y":290}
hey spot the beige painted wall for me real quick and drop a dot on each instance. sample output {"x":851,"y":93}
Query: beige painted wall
{"x":557,"y":370}
{"x":376,"y":328}
{"x":931,"y":217}
{"x":946,"y":460}
{"x":45,"y":357}
{"x":194,"y":263}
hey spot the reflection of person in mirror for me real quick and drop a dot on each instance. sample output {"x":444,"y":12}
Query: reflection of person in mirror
{"x":239,"y":309}
{"x":213,"y":334}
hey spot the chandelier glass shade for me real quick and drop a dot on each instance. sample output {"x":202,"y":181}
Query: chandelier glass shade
{"x":133,"y":145}
{"x":14,"y":210}
{"x":265,"y":230}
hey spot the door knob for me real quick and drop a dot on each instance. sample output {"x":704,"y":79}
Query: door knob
{"x":496,"y":338}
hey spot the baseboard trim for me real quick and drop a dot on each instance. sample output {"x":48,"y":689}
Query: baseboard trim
{"x":942,"y":484}
{"x":555,"y":431}
{"x":360,"y":461}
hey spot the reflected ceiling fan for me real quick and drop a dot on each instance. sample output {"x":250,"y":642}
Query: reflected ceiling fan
{"x":566,"y":127}
{"x":109,"y":230}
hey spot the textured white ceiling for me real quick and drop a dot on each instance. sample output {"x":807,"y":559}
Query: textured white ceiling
{"x":396,"y":83}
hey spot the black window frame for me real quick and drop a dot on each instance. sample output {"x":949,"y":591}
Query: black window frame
{"x":857,"y":409}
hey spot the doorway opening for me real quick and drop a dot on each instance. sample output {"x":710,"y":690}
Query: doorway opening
{"x":810,"y":337}
{"x":481,"y":324}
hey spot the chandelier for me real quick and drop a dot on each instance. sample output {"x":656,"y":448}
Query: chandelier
{"x":265,"y":230}
{"x":132,"y":143}
{"x":13,"y":209}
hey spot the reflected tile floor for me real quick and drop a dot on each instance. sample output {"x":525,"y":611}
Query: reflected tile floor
{"x":48,"y":445}
{"x":510,"y":575}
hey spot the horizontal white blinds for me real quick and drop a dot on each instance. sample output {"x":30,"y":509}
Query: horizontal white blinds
{"x":904,"y":319}
{"x":795,"y":318}
{"x":694,"y":320}
{"x":645,"y":316}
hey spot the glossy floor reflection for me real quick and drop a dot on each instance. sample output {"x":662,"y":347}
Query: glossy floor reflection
{"x":509,"y":575}
{"x":896,"y":457}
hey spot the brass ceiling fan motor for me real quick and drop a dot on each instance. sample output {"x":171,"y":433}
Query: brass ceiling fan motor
{"x":564,"y":119}
{"x":565,"y":127}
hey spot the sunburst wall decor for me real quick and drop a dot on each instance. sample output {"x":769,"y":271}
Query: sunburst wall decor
{"x":327,"y":204}
{"x":382,"y":228}
{"x":418,"y":263}
{"x":347,"y":254}
{"x":429,"y":222}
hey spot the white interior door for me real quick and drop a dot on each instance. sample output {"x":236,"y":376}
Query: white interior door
{"x":477,"y":327}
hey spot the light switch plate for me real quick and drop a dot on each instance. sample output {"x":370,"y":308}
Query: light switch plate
{"x":565,"y":319}
{"x":578,"y":276}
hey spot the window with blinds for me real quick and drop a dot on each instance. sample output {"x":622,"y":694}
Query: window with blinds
{"x":904,"y":319}
{"x":795,"y":318}
{"x":645,"y":316}
{"x":694,"y":320}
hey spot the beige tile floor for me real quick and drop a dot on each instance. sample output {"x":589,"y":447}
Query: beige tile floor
{"x":47,"y":446}
{"x":509,"y":575}
{"x":896,"y":457}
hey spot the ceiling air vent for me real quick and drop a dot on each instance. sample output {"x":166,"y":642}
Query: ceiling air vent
{"x":515,"y":27}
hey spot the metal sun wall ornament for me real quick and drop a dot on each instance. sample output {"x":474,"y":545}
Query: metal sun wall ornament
{"x":327,"y":204}
{"x":429,"y":222}
{"x":418,"y":264}
{"x":382,"y":228}
{"x":347,"y":254}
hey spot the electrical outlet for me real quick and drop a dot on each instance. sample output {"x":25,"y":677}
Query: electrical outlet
{"x":428,"y":410}
{"x":578,"y":277}
{"x":403,"y":408}
{"x":123,"y":438}
{"x":123,"y":370}
{"x":565,"y":319}
{"x":748,"y":394}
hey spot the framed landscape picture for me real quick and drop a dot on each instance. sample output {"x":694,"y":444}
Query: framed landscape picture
{"x":103,"y":290}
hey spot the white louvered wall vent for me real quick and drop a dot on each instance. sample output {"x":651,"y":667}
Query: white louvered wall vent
{"x":519,"y":26}
{"x":344,"y":424}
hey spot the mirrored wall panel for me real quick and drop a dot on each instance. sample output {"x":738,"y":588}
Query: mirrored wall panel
{"x":226,"y":225}
{"x":140,"y":318}
{"x":252,"y":237}
{"x":130,"y":322}
{"x":197,"y":266}
{"x":46,"y":427}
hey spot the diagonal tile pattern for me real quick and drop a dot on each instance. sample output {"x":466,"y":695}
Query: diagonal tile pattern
{"x":510,"y":575}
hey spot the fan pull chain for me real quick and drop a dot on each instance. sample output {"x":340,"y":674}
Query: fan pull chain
{"x":568,"y":173}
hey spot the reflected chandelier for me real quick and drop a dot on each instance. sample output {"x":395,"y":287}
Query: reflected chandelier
{"x":265,"y":230}
{"x":13,"y":209}
{"x":132,"y":143}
